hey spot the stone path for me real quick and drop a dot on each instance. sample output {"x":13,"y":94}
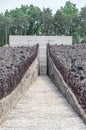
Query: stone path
{"x":43,"y":108}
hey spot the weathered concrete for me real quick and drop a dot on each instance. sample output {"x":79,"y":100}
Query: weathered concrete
{"x":42,"y":41}
{"x":63,"y":87}
{"x":43,"y":108}
{"x":26,"y":40}
{"x":10,"y":101}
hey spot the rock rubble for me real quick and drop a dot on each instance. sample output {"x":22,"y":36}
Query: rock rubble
{"x":71,"y":62}
{"x":14,"y":62}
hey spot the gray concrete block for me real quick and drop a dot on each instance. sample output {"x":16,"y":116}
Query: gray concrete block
{"x":42,"y":41}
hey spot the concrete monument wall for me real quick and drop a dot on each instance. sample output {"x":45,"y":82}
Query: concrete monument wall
{"x":42,"y":41}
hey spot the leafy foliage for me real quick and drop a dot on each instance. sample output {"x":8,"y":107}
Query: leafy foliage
{"x":31,"y":20}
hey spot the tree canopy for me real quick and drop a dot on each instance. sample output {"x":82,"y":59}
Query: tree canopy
{"x":31,"y":20}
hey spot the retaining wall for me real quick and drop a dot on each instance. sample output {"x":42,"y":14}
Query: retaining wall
{"x":42,"y":41}
{"x":57,"y":78}
{"x":10,"y":101}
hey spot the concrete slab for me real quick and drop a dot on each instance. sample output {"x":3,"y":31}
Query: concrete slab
{"x":42,"y":41}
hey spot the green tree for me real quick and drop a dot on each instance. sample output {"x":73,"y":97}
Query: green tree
{"x":30,"y":20}
{"x":83,"y":24}
{"x":1,"y":30}
{"x":70,"y":12}
{"x":47,"y":22}
{"x":5,"y":22}
{"x":59,"y":23}
{"x":34,"y":20}
{"x":19,"y":21}
{"x":66,"y":21}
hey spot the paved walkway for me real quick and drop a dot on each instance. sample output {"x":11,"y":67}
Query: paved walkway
{"x":43,"y":108}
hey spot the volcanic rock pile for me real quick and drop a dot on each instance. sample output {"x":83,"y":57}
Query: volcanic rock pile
{"x":71,"y":62}
{"x":14,"y":62}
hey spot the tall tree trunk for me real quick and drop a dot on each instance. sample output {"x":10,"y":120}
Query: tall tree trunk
{"x":6,"y":36}
{"x":3,"y":39}
{"x":25,"y":31}
{"x":21,"y":31}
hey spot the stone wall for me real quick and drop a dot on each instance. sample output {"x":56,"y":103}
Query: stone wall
{"x":14,"y":62}
{"x":10,"y":101}
{"x":42,"y":41}
{"x":57,"y":78}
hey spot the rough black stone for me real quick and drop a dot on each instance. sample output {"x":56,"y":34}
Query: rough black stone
{"x":14,"y":62}
{"x":71,"y":62}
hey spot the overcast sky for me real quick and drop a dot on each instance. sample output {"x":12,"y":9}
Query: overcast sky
{"x":52,"y":4}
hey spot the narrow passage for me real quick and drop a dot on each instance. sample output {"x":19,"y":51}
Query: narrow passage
{"x":43,"y":108}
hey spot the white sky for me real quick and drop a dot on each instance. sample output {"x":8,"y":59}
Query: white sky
{"x":52,"y":4}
